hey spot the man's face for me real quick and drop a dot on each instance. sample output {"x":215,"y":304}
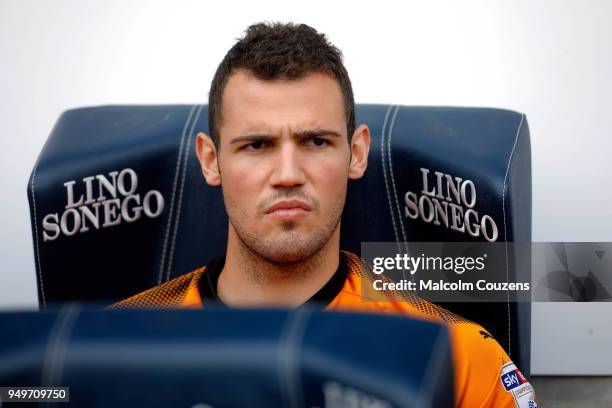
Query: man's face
{"x":283,"y":160}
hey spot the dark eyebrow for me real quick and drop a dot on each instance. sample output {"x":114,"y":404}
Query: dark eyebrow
{"x":252,"y":138}
{"x":263,"y":137}
{"x":317,"y":133}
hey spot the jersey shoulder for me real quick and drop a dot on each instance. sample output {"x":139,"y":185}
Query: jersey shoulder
{"x":485,"y":376}
{"x":167,"y":295}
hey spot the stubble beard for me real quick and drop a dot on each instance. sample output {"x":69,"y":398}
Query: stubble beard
{"x":289,"y":246}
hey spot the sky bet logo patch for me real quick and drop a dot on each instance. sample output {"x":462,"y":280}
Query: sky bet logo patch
{"x":512,"y":378}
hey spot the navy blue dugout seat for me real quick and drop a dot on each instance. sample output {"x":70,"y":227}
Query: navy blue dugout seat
{"x":228,"y":358}
{"x":158,"y":219}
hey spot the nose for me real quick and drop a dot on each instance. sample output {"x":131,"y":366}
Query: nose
{"x":288,"y":170}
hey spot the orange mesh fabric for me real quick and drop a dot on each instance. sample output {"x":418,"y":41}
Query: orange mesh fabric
{"x":478,"y":360}
{"x":357,"y":270}
{"x":167,"y":295}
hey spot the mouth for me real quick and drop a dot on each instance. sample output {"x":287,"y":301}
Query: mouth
{"x":288,"y":210}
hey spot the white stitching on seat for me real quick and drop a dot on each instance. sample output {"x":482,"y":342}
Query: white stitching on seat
{"x":382,"y":153}
{"x":399,"y":212}
{"x":176,"y":177}
{"x":518,"y":131}
{"x":38,"y":264}
{"x":401,"y":247}
{"x":177,"y":218}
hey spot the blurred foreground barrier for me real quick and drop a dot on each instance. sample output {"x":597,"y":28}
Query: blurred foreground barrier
{"x":228,"y":358}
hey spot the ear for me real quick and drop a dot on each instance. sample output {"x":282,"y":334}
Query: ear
{"x":360,"y":147}
{"x":207,"y":155}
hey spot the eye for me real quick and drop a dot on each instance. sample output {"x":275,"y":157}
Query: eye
{"x":256,"y":145}
{"x":317,"y":142}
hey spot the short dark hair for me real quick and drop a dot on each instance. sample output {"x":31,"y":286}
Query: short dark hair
{"x":280,"y":51}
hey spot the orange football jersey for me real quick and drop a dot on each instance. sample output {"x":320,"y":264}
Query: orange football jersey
{"x":484,"y":374}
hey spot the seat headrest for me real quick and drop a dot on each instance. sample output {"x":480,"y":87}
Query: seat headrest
{"x":117,"y":194}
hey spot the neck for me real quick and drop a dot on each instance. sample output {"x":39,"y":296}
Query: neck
{"x":248,"y":279}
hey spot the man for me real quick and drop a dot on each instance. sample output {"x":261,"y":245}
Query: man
{"x":282,"y":146}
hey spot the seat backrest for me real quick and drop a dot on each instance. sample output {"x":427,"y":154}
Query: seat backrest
{"x":118,"y":202}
